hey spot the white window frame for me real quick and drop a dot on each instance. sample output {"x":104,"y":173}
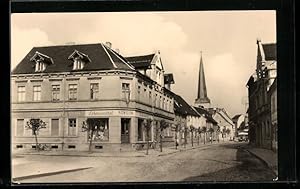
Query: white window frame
{"x":37,"y":92}
{"x":73,"y":90}
{"x":21,"y":95}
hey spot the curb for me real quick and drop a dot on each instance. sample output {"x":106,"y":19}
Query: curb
{"x":76,"y":155}
{"x":263,"y":161}
{"x":48,"y":174}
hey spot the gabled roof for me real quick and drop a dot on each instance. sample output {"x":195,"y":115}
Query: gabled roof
{"x":140,"y":61}
{"x":270,"y":51}
{"x":102,"y":58}
{"x":168,"y":78}
{"x":236,"y":117}
{"x":206,"y":114}
{"x":181,"y":107}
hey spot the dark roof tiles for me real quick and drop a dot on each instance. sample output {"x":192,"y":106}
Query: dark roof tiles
{"x":140,"y":61}
{"x":59,"y":54}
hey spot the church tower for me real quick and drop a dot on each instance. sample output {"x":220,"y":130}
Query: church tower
{"x":202,"y":99}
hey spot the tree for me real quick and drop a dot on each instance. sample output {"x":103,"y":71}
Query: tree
{"x":211,"y":130}
{"x":176,"y":129}
{"x":223,"y":133}
{"x":35,"y":125}
{"x":218,"y":133}
{"x":204,"y":130}
{"x":192,"y":129}
{"x":227,"y":131}
{"x":199,"y":131}
{"x":184,"y":129}
{"x":147,"y":123}
{"x":163,"y":125}
{"x":91,"y":126}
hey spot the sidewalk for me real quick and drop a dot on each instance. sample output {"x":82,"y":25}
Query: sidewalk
{"x":27,"y":170}
{"x":133,"y":153}
{"x":266,"y":155}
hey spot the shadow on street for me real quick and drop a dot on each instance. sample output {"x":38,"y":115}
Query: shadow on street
{"x":250,"y":169}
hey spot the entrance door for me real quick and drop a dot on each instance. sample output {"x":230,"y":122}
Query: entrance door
{"x":125,"y":130}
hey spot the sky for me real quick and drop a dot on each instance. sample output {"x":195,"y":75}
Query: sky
{"x":227,"y":40}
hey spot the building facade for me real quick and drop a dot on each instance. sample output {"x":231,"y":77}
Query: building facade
{"x":66,"y":85}
{"x":224,"y":122}
{"x":258,"y":86}
{"x":272,"y":94}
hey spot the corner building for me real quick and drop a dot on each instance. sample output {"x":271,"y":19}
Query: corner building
{"x":66,"y":85}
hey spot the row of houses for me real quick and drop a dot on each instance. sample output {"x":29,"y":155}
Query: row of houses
{"x":71,"y":85}
{"x":262,"y":95}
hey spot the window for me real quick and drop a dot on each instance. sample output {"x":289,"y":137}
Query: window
{"x":126,"y":91}
{"x":40,"y":66}
{"x":125,"y":86}
{"x":72,"y":127}
{"x":101,"y":128}
{"x":54,"y":127}
{"x":55,"y":92}
{"x":150,"y":97}
{"x":78,"y":64}
{"x":94,"y":90}
{"x":21,"y":93}
{"x":37,"y":93}
{"x":20,"y":127}
{"x":139,"y":92}
{"x":72,"y":91}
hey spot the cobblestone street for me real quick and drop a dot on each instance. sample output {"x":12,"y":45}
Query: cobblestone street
{"x":220,"y":162}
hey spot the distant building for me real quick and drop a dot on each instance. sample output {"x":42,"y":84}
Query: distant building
{"x":67,"y":85}
{"x":238,"y":120}
{"x":186,"y":116}
{"x":224,"y":121}
{"x":272,"y":94}
{"x":258,"y":86}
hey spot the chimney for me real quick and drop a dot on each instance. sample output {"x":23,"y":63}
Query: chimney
{"x":117,"y":51}
{"x":108,"y":44}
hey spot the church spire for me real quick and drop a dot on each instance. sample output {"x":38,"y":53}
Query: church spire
{"x":202,"y":99}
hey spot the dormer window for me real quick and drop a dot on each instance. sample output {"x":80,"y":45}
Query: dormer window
{"x":79,"y":60}
{"x":41,"y":61}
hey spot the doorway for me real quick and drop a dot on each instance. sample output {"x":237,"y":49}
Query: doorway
{"x":125,"y":130}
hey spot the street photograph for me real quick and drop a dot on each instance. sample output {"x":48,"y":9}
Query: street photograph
{"x":170,"y":96}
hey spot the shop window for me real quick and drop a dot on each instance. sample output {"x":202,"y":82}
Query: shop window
{"x":21,"y":93}
{"x":101,"y":129}
{"x":37,"y":93}
{"x":94,"y":91}
{"x":72,"y":127}
{"x":55,"y":92}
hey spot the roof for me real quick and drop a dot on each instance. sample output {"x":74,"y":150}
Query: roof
{"x":102,"y":58}
{"x":182,"y":107}
{"x":140,"y":61}
{"x":236,"y":117}
{"x":168,"y":78}
{"x":207,"y":115}
{"x":270,"y":51}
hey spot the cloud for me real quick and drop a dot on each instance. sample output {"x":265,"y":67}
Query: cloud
{"x":23,"y":40}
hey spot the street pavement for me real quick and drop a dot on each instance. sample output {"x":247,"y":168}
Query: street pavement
{"x":211,"y":162}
